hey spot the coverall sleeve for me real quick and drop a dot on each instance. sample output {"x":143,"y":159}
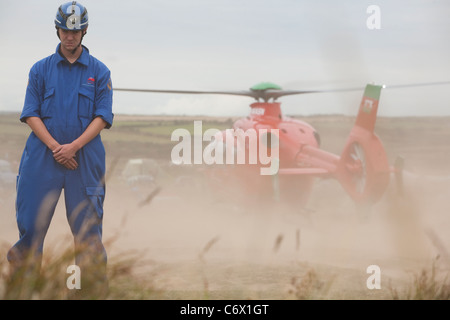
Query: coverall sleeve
{"x":103,"y":98}
{"x":33,"y":96}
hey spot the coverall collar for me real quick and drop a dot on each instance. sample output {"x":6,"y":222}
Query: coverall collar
{"x":83,"y":58}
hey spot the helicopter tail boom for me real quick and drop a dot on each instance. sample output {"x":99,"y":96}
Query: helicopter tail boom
{"x":362,"y":168}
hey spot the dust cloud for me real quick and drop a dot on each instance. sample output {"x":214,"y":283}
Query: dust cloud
{"x":258,"y":249}
{"x":195,"y":240}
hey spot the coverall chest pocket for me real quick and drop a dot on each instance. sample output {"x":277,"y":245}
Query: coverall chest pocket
{"x":86,"y":102}
{"x":46,"y":107}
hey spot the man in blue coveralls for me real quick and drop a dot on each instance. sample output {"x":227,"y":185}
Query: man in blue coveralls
{"x":68,"y":103}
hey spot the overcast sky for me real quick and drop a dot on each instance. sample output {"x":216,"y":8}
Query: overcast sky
{"x":234,"y":44}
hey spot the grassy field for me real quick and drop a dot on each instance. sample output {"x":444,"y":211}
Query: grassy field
{"x":181,"y":243}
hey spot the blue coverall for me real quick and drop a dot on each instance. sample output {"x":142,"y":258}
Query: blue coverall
{"x":67,"y":97}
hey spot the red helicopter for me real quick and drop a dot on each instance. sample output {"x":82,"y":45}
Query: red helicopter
{"x":362,"y":168}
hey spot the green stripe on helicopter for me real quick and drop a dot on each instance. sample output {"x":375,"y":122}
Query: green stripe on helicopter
{"x":373,"y":91}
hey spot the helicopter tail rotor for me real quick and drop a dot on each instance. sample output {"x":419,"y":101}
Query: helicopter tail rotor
{"x":363,"y":169}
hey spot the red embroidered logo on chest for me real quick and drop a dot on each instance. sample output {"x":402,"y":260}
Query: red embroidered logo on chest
{"x":91,"y":81}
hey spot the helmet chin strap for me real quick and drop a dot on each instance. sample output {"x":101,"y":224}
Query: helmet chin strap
{"x":81,"y":40}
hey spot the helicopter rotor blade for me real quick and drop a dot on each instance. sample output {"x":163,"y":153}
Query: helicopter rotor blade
{"x":237,"y":93}
{"x":268,"y":94}
{"x":274,"y":94}
{"x":416,"y":84}
{"x":281,"y":93}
